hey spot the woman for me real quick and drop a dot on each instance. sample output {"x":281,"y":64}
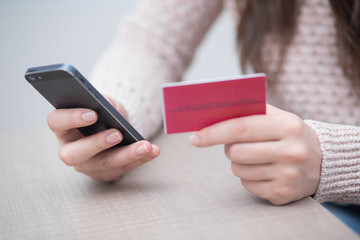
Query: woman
{"x":308,"y":143}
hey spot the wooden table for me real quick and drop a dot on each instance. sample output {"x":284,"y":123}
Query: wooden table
{"x":187,"y":193}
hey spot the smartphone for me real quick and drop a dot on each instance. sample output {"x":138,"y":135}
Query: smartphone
{"x":65,"y":87}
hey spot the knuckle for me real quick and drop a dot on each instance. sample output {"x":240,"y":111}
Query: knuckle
{"x":246,"y":184}
{"x":51,"y":120}
{"x":277,"y":201}
{"x":235,"y":170}
{"x":283,"y":192}
{"x":294,"y":126}
{"x":296,"y":153}
{"x":232,"y":151}
{"x":254,"y":188}
{"x":291,"y":174}
{"x":66,"y":156}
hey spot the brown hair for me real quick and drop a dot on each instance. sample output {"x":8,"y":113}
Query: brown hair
{"x":278,"y":18}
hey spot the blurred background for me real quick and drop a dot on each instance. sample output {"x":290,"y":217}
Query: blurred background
{"x":40,"y":32}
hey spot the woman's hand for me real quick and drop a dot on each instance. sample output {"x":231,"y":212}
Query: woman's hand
{"x":276,"y":156}
{"x":92,"y":155}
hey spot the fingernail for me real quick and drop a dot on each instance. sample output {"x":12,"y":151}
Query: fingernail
{"x":194,"y":140}
{"x":141,"y":150}
{"x":155,"y":152}
{"x":88,"y":116}
{"x":113,"y":138}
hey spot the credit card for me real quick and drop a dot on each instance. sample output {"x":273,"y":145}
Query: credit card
{"x":191,"y":106}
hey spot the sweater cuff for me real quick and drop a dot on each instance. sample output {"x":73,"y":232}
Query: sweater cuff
{"x":340,"y":169}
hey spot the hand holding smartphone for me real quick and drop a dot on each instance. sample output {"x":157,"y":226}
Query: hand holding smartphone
{"x":65,"y":87}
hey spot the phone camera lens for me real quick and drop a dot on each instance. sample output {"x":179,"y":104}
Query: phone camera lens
{"x":32,"y":78}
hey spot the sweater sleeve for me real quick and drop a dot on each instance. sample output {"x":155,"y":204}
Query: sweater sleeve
{"x":153,"y":45}
{"x":340,"y":170}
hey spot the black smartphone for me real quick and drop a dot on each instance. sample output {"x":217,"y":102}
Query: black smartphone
{"x":64,"y":87}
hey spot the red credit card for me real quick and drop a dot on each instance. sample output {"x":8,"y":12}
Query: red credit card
{"x":191,"y":106}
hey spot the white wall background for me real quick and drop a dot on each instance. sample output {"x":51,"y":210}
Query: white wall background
{"x":41,"y":32}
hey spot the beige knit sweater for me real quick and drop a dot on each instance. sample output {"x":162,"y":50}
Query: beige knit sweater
{"x":156,"y":43}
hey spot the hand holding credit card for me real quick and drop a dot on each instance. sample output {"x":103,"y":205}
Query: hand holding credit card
{"x":191,"y":106}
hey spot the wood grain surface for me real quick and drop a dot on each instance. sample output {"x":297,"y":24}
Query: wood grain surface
{"x":187,"y":193}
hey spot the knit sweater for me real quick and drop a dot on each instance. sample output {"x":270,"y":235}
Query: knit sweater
{"x":156,"y":43}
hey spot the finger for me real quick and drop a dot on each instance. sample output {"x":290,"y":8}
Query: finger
{"x":243,"y":129}
{"x":115,"y":174}
{"x":258,"y":172}
{"x":62,"y":120}
{"x":74,"y":153}
{"x":270,"y":127}
{"x":277,"y":194}
{"x":115,"y":158}
{"x":255,"y":153}
{"x":261,"y":189}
